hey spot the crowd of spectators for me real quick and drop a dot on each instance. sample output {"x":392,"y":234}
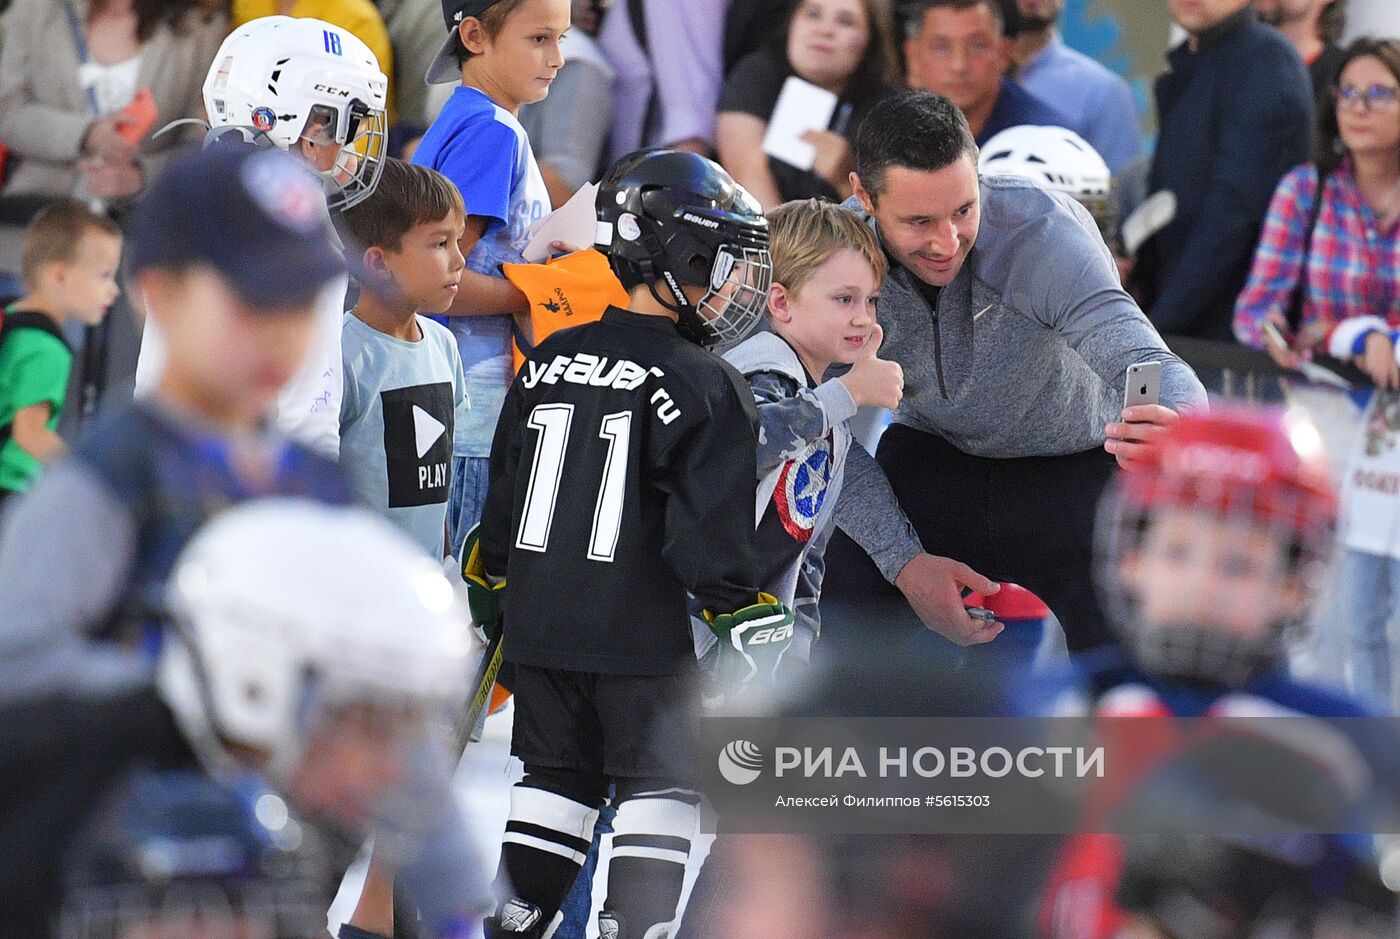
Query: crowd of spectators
{"x":1280,"y":150}
{"x":1236,"y":107}
{"x":1280,"y":147}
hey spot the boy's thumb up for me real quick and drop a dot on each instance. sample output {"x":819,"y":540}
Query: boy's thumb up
{"x":872,"y":345}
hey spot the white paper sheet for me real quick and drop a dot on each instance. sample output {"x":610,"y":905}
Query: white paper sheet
{"x":801,"y":107}
{"x":1155,"y":214}
{"x":574,"y":223}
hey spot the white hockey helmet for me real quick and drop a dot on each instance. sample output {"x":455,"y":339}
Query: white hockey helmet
{"x":283,"y":611}
{"x":288,"y":77}
{"x":1056,"y":158}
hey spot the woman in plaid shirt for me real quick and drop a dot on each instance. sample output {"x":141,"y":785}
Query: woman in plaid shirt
{"x":1351,"y":309}
{"x":1351,"y":298}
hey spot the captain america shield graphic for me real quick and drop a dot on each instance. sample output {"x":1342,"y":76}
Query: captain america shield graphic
{"x":801,"y":489}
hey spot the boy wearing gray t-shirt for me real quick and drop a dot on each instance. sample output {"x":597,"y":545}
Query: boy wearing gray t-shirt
{"x":404,"y":388}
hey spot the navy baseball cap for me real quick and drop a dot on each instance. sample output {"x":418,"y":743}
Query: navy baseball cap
{"x":257,"y":216}
{"x":444,"y":67}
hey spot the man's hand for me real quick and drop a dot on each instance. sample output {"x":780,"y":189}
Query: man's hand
{"x":1125,"y":267}
{"x":873,"y":380}
{"x":933,"y":587}
{"x":1378,"y":361}
{"x":1134,"y":439}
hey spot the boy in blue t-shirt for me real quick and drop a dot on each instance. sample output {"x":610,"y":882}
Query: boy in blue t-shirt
{"x":404,"y":391}
{"x":505,"y":53}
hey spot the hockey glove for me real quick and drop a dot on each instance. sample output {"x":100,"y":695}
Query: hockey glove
{"x":752,"y":640}
{"x":485,"y":595}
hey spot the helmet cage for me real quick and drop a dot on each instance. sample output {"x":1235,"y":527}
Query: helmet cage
{"x":725,"y":253}
{"x":361,"y":131}
{"x":738,"y":293}
{"x":1296,"y":520}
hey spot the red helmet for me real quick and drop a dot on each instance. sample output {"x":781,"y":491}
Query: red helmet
{"x":1267,"y":465}
{"x":1262,"y":467}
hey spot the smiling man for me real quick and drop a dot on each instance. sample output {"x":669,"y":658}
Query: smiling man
{"x":1003,"y":307}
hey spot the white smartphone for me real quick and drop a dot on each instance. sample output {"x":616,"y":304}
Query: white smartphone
{"x":1272,"y":331}
{"x":1144,"y":385}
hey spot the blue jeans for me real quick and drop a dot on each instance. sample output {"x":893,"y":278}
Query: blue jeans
{"x":578,"y":905}
{"x":1368,"y":596}
{"x":467,"y":497}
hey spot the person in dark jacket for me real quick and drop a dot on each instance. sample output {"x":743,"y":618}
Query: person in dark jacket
{"x":1315,"y":28}
{"x":1235,"y":112}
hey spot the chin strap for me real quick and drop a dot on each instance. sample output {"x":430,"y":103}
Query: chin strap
{"x":688,"y":319}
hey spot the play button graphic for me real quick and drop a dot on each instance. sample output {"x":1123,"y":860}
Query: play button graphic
{"x":427,"y":430}
{"x":418,"y":443}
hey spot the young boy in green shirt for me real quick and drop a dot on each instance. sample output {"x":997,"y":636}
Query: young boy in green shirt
{"x":70,"y":273}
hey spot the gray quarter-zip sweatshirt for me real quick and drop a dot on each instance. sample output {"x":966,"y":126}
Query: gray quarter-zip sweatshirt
{"x":1025,"y":355}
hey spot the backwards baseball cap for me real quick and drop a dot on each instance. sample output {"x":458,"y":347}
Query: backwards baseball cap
{"x":445,"y":67}
{"x":257,"y":216}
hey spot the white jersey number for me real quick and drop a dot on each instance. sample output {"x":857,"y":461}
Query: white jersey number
{"x":552,"y":422}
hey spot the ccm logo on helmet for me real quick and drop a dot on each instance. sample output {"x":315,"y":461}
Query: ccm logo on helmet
{"x":332,"y":90}
{"x":697,"y":220}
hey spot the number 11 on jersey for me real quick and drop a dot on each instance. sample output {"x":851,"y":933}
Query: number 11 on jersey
{"x":552,"y":423}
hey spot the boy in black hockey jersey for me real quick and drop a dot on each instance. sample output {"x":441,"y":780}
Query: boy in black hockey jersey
{"x":622,"y":476}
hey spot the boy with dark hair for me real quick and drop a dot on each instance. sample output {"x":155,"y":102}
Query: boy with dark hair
{"x":622,"y":477}
{"x":505,"y":53}
{"x":404,"y":390}
{"x":84,"y":558}
{"x":70,"y":273}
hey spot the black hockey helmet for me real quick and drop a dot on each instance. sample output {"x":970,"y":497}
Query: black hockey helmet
{"x":674,"y":218}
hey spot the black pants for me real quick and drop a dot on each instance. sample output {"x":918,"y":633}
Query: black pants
{"x":1027,"y":520}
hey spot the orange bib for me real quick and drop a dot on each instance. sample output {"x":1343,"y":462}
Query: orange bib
{"x":566,"y":291}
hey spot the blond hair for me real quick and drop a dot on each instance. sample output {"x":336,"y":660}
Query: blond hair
{"x":805,"y":233}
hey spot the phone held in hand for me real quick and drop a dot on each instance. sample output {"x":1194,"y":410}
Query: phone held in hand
{"x":1272,"y":331}
{"x":1144,"y":384}
{"x":138,"y":117}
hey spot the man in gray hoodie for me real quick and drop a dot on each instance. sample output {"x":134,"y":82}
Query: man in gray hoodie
{"x":1003,"y":307}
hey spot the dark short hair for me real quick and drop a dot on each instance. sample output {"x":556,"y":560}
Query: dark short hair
{"x":1005,"y":12}
{"x":407,"y":196}
{"x":1333,"y":21}
{"x":919,"y":130}
{"x":1330,"y":148}
{"x":53,"y":235}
